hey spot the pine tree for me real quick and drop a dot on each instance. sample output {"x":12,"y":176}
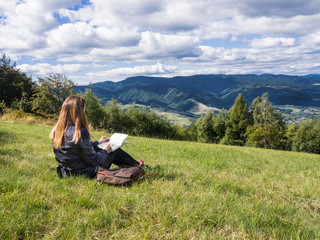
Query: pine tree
{"x":205,"y":132}
{"x":240,"y":119}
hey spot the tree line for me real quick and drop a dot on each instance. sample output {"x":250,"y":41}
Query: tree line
{"x":257,"y":125}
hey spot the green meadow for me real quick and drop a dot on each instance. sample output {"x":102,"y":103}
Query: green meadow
{"x":203,"y":191}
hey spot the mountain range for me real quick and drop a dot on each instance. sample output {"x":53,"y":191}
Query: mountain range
{"x":189,"y":94}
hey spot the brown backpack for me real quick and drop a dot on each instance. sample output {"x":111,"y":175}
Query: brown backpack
{"x":120,"y":176}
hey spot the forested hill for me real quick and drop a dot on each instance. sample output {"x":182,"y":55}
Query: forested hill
{"x":184,"y":93}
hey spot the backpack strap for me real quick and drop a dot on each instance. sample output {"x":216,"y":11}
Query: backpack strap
{"x":151,"y":175}
{"x":99,"y":172}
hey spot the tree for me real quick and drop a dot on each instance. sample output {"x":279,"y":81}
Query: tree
{"x":268,"y":130}
{"x":307,"y":138}
{"x":290,"y":135}
{"x":264,"y":113}
{"x":51,"y":93}
{"x":220,"y":124}
{"x":114,"y":116}
{"x":205,"y":132}
{"x":95,"y":112}
{"x":240,"y":119}
{"x":15,"y":86}
{"x":211,"y":128}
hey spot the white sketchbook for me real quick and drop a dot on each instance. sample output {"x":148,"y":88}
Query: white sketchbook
{"x":116,"y":141}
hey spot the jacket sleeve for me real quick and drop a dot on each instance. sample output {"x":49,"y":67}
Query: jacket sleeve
{"x":94,"y":143}
{"x":87,"y":153}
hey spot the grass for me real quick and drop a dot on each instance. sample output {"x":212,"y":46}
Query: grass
{"x":203,"y":191}
{"x":20,"y":116}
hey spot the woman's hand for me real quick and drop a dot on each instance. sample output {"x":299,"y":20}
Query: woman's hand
{"x":108,"y":148}
{"x":104,"y":139}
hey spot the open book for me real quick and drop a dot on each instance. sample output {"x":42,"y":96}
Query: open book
{"x":116,"y":141}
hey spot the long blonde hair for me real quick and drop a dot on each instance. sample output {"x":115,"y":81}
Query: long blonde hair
{"x":72,"y":114}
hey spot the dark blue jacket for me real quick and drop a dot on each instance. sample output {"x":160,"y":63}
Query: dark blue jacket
{"x":82,"y":158}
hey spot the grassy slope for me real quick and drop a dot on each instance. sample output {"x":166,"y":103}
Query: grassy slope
{"x":204,"y":191}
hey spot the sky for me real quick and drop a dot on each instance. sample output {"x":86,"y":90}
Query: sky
{"x":109,"y":40}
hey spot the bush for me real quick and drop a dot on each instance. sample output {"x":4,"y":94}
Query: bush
{"x":22,"y":105}
{"x":95,"y":112}
{"x":114,"y":117}
{"x":142,"y":122}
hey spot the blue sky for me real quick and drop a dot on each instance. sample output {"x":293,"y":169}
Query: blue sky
{"x":99,"y":40}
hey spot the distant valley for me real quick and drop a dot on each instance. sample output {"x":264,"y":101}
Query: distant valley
{"x":297,"y":97}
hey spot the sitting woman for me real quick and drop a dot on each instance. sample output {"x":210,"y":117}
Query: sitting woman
{"x":74,"y":151}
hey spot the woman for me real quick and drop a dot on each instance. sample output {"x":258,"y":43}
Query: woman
{"x":74,"y":151}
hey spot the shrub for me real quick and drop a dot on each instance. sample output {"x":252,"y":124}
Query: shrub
{"x":95,"y":112}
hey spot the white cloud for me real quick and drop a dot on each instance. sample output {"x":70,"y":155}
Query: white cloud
{"x":24,"y":26}
{"x":117,"y":74}
{"x":311,"y":40}
{"x":43,"y":69}
{"x":272,"y":42}
{"x":158,"y":45}
{"x":150,"y":47}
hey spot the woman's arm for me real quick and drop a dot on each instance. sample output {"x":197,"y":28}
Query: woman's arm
{"x":87,"y":153}
{"x":102,"y":139}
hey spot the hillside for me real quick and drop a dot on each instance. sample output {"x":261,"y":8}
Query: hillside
{"x":203,"y":191}
{"x":185,"y":94}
